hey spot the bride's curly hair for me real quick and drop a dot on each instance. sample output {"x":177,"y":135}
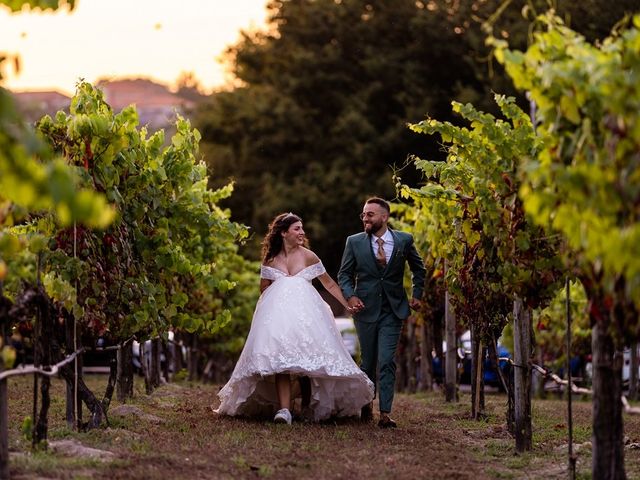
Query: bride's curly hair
{"x":273,"y":243}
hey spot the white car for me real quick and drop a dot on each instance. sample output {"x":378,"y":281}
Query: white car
{"x":349,"y":336}
{"x":147,"y":349}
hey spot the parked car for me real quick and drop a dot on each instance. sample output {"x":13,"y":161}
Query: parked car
{"x":349,"y":336}
{"x":491,"y":376}
{"x":626,"y":368}
{"x":147,"y":350}
{"x":437,"y":365}
{"x":95,"y":359}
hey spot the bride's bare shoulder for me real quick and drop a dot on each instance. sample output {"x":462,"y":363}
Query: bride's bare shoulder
{"x":310,"y":257}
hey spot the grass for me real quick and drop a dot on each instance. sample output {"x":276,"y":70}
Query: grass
{"x":435,"y":440}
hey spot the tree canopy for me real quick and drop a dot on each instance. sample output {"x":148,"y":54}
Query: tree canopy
{"x":318,"y":115}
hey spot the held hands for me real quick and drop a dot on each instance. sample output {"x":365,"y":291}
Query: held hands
{"x":354,"y":305}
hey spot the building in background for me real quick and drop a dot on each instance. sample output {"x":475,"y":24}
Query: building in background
{"x":157,"y":106}
{"x":34,"y":105}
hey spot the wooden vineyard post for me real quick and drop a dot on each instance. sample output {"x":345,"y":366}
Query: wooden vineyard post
{"x":522,"y":375}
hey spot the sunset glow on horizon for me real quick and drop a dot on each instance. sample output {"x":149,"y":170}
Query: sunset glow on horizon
{"x":154,"y":39}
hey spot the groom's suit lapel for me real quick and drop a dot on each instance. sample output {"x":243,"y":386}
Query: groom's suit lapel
{"x":366,"y":247}
{"x":396,"y":248}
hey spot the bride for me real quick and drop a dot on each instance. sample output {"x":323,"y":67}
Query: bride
{"x":294,"y":344}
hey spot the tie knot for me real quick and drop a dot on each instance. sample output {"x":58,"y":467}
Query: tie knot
{"x":380,"y":241}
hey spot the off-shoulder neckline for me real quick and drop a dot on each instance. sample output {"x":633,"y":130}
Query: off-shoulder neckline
{"x":294,"y":275}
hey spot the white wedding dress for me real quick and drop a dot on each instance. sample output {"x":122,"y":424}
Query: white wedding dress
{"x":293,"y":330}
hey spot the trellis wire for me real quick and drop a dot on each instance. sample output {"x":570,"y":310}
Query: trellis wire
{"x":48,"y":371}
{"x":574,"y":388}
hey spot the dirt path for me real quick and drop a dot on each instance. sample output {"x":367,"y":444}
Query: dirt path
{"x":173,"y":434}
{"x":209,"y":446}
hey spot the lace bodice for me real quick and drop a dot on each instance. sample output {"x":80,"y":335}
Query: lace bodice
{"x":308,"y":273}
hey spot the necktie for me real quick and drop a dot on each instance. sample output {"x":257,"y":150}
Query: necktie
{"x":380,"y":256}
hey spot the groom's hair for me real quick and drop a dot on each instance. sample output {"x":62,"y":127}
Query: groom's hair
{"x":380,"y":201}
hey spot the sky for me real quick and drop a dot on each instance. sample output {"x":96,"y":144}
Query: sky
{"x":156,"y":39}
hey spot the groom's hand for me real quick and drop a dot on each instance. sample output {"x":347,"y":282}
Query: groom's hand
{"x":355,"y":304}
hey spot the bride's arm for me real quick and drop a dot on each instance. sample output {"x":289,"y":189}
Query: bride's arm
{"x":333,"y":288}
{"x":327,"y":282}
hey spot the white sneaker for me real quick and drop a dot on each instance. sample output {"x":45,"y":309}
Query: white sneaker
{"x":283,"y":416}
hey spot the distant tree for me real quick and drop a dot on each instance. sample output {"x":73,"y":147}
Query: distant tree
{"x":320,"y":116}
{"x":317,"y":119}
{"x":188,"y":87}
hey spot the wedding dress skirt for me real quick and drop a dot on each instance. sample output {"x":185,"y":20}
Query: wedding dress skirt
{"x":294,"y":331}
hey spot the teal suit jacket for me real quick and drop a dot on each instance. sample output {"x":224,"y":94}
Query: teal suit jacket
{"x":360,"y":275}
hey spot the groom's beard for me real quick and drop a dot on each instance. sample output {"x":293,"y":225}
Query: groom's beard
{"x":372,"y":228}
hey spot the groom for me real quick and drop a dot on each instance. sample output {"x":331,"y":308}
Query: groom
{"x":371,"y":278}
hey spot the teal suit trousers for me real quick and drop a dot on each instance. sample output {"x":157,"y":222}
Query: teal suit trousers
{"x":378,"y":343}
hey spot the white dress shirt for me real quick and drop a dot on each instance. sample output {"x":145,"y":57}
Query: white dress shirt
{"x":387,"y":245}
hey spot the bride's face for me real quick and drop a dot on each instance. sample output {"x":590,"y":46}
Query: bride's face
{"x":294,"y":235}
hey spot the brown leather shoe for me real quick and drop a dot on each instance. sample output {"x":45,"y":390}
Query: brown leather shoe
{"x":366,"y":413}
{"x":386,"y":421}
